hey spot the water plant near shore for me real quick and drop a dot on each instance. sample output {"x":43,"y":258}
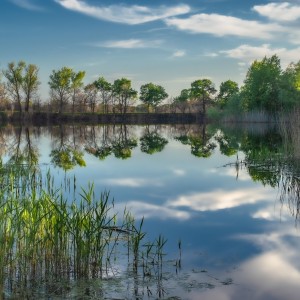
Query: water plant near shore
{"x":44,"y":236}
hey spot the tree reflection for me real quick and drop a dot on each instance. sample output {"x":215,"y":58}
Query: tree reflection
{"x":22,"y":165}
{"x":228,"y":145}
{"x":115,"y":140}
{"x":152,"y":142}
{"x":268,"y":160}
{"x":66,"y":154}
{"x":201,"y":143}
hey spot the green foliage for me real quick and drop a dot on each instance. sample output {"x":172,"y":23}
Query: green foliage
{"x":202,"y":90}
{"x":105,"y":90}
{"x":60,"y":84}
{"x":228,"y":144}
{"x":228,"y":89}
{"x":289,"y":93}
{"x":152,"y":143}
{"x":22,"y":82}
{"x":152,"y":94}
{"x":124,"y":93}
{"x":122,"y":149}
{"x":67,"y":158}
{"x":30,"y":83}
{"x":262,"y":85}
{"x":201,"y":146}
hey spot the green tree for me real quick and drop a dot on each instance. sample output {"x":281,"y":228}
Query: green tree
{"x":105,"y":90}
{"x":152,"y":94}
{"x":202,"y":90}
{"x":123,"y":93}
{"x":30,"y":84}
{"x":90,"y":96}
{"x":14,"y":76}
{"x":4,"y":103}
{"x":228,"y":89}
{"x":261,"y":86}
{"x":61,"y":86}
{"x":181,"y":101}
{"x":289,"y":93}
{"x":76,"y":85}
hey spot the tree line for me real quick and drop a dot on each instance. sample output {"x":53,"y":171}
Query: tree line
{"x":266,"y":87}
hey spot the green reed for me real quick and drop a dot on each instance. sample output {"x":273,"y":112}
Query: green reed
{"x":44,"y":235}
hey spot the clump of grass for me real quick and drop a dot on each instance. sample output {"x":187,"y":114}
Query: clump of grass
{"x":44,"y":236}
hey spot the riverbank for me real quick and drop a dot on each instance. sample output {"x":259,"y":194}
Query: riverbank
{"x":43,"y":118}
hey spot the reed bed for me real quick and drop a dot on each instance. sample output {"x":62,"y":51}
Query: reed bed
{"x":44,"y":236}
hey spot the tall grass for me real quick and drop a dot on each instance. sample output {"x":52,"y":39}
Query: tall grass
{"x":45,"y":236}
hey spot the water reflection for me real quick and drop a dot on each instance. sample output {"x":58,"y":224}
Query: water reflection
{"x":231,"y":196}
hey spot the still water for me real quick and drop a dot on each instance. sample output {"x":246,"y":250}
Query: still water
{"x":224,"y":194}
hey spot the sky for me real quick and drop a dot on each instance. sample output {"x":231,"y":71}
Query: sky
{"x":170,"y":43}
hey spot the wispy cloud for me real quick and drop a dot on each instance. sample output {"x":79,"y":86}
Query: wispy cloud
{"x":130,"y":44}
{"x":247,"y":53}
{"x":179,"y":53}
{"x":285,"y":11}
{"x":27,"y":4}
{"x":220,"y":25}
{"x":134,"y":14}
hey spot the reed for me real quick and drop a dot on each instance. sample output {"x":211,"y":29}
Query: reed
{"x":44,"y":235}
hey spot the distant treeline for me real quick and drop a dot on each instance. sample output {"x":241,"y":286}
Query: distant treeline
{"x":266,"y":87}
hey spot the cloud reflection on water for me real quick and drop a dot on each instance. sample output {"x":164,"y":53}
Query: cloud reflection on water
{"x":131,"y":182}
{"x":220,"y":199}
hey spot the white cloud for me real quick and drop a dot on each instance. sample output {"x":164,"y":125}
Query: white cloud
{"x":285,"y":11}
{"x":178,"y":53}
{"x":124,"y":14}
{"x":179,"y":172}
{"x":212,"y":54}
{"x":130,"y":44}
{"x":220,"y":25}
{"x":248,"y":54}
{"x":27,"y":4}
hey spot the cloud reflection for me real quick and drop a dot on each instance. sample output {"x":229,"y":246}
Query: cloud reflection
{"x":146,"y":210}
{"x":220,"y":199}
{"x":131,"y":182}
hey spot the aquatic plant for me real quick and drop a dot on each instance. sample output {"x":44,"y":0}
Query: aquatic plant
{"x":44,"y":236}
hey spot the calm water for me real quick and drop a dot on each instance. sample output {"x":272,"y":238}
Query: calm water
{"x":236,"y":221}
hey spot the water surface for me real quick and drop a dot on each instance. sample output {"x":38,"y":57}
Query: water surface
{"x":219,"y":192}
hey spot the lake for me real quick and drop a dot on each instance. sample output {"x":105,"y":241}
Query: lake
{"x":225,"y":199}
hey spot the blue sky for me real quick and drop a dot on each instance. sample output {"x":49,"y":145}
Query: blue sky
{"x":170,"y":43}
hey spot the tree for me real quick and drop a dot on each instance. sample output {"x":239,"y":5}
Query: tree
{"x":152,"y":94}
{"x":30,"y":84}
{"x":289,"y":94}
{"x":123,"y":93}
{"x":90,"y":97}
{"x":105,"y":90}
{"x":228,"y":89}
{"x":262,"y":84}
{"x":76,"y":85}
{"x":14,"y":76}
{"x":4,"y":104}
{"x":182,"y":99}
{"x":202,"y":90}
{"x":61,"y":85}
